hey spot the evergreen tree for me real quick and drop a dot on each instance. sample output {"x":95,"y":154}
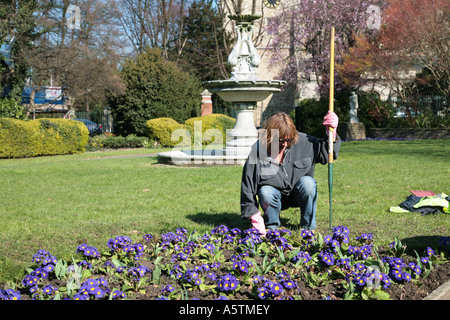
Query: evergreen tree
{"x":155,"y":88}
{"x":204,"y":42}
{"x":18,"y":26}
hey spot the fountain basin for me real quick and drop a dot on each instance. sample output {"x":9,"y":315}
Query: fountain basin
{"x":244,"y":91}
{"x":200,"y":158}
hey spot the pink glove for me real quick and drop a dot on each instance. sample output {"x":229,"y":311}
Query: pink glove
{"x":258,"y":223}
{"x":331,"y":120}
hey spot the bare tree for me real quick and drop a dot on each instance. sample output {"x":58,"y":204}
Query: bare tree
{"x":416,"y":32}
{"x":82,"y":60}
{"x":153,"y":23}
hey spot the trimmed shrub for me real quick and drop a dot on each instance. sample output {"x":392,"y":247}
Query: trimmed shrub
{"x":41,"y":137}
{"x":170,"y":133}
{"x":162,"y":130}
{"x":210,"y":124}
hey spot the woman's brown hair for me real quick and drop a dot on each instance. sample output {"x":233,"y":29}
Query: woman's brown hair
{"x":278,"y":126}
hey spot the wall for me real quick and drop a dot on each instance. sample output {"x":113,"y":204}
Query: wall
{"x":405,"y":133}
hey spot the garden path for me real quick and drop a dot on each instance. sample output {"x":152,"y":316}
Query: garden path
{"x":441,"y":293}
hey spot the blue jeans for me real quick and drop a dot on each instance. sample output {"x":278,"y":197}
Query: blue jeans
{"x":304,"y":196}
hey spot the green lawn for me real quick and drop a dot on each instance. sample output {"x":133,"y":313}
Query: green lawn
{"x":56,"y":203}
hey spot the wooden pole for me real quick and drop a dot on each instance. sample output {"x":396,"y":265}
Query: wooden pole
{"x":330,"y":133}
{"x":331,"y":104}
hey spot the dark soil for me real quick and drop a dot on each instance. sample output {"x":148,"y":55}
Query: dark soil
{"x":408,"y":291}
{"x":411,"y":291}
{"x":335,"y":291}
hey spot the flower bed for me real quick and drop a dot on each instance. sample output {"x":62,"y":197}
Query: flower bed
{"x":229,"y":264}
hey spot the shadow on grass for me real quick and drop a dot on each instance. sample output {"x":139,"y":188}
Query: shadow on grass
{"x":420,"y":244}
{"x":229,"y":219}
{"x":233,"y":220}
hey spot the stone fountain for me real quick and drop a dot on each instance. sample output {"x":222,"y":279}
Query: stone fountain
{"x":244,"y":90}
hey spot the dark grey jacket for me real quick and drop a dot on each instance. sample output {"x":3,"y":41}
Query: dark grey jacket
{"x":299,"y":160}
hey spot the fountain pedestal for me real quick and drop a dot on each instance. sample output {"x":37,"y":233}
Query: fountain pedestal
{"x":241,"y":138}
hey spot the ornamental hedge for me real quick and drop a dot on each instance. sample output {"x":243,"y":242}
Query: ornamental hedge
{"x":161,"y":130}
{"x":167,"y":132}
{"x":209,"y":124}
{"x":41,"y":137}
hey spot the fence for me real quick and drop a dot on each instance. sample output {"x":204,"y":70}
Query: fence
{"x":104,"y":118}
{"x":428,"y":104}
